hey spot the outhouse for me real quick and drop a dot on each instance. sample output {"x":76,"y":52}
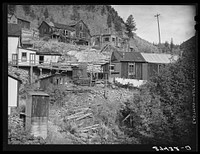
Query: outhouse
{"x":37,"y":113}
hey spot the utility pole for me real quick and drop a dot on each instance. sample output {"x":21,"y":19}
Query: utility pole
{"x":157,"y":15}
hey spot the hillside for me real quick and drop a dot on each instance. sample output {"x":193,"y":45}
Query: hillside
{"x":97,"y":17}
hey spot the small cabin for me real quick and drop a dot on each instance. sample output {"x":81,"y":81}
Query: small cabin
{"x":26,"y":57}
{"x":154,"y":62}
{"x":13,"y":92}
{"x":55,"y":79}
{"x":135,"y":65}
{"x":37,"y":113}
{"x":82,"y":32}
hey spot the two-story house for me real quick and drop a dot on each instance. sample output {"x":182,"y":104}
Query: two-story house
{"x":57,"y":31}
{"x":82,"y":32}
{"x":23,"y":23}
{"x":74,"y":33}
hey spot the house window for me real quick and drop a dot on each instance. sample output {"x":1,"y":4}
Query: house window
{"x":81,"y":34}
{"x":66,"y":33}
{"x":113,"y":39}
{"x":131,"y":68}
{"x":14,"y":59}
{"x":112,"y":68}
{"x":24,"y":56}
{"x":84,"y":35}
{"x":131,"y":49}
{"x":106,"y":39}
{"x":81,"y":26}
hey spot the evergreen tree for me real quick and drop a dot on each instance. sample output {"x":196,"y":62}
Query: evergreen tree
{"x":130,"y":25}
{"x":171,"y":45}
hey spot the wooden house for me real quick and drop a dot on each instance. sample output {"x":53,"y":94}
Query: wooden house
{"x":13,"y":91}
{"x":26,"y":57}
{"x":37,"y":113}
{"x":54,"y":79}
{"x":103,"y":39}
{"x":154,"y":61}
{"x":135,"y":65}
{"x":82,"y":31}
{"x":23,"y":23}
{"x":14,"y":33}
{"x":57,"y":31}
{"x":74,"y":33}
{"x":124,"y":65}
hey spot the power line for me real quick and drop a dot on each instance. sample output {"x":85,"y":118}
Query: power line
{"x":157,"y":15}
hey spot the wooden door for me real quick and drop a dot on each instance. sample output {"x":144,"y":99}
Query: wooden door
{"x":32,"y":58}
{"x":138,"y":71}
{"x":40,"y":106}
{"x":14,"y":59}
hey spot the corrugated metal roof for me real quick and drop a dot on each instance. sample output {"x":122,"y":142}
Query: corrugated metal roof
{"x":159,"y":58}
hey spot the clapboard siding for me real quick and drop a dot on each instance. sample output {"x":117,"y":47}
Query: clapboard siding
{"x":124,"y":70}
{"x":40,"y":106}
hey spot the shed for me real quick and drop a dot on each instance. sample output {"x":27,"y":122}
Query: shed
{"x":13,"y":91}
{"x":125,"y":65}
{"x":55,"y":79}
{"x":37,"y":113}
{"x":154,"y":61}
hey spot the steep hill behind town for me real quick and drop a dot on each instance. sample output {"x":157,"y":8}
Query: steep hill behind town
{"x":95,"y":16}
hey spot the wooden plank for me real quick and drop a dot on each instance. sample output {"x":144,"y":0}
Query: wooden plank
{"x":84,"y":116}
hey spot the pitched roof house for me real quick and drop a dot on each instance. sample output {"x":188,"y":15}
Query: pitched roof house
{"x":74,"y":33}
{"x":136,"y":65}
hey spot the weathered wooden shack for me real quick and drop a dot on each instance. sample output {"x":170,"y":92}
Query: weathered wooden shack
{"x":83,"y":36}
{"x":136,"y":65}
{"x":154,"y":62}
{"x":37,"y":113}
{"x":55,"y":79}
{"x":124,"y":65}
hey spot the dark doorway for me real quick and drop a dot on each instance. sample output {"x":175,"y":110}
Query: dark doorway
{"x":41,"y":59}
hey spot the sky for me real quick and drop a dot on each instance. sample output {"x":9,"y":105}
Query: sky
{"x":176,"y":21}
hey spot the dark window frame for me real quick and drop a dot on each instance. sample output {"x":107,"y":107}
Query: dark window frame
{"x":24,"y":58}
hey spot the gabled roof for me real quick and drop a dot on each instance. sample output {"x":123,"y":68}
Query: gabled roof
{"x":132,"y":56}
{"x":159,"y":58}
{"x":21,"y":18}
{"x":14,"y":30}
{"x":128,"y":56}
{"x":74,"y":23}
{"x":62,"y":26}
{"x":58,"y":25}
{"x":14,"y":77}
